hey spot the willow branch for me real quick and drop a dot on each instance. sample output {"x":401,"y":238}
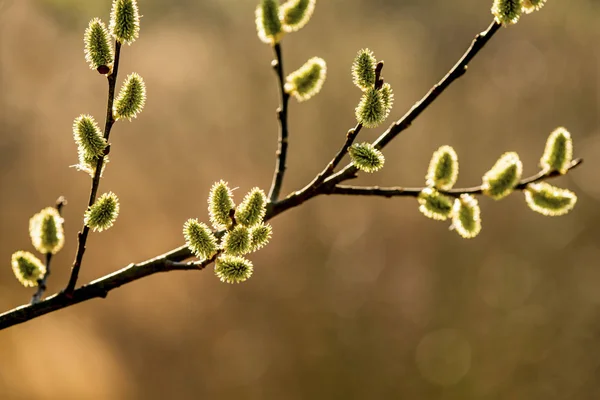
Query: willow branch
{"x":110,"y":120}
{"x":282,"y":116}
{"x":60,"y":203}
{"x":459,"y":69}
{"x":414,"y":192}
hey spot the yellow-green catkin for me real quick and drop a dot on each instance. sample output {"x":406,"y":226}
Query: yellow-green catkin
{"x":500,"y":181}
{"x":558,"y":153}
{"x":434,"y":205}
{"x":233,"y":269}
{"x":260,"y":235}
{"x":125,"y":21}
{"x":371,"y":110}
{"x":466,"y":216}
{"x":507,"y":12}
{"x":530,"y":6}
{"x":363,"y":70}
{"x":131,"y":99}
{"x":97,"y":47}
{"x":103,"y":213}
{"x":88,"y":136}
{"x":366,"y":157}
{"x":199,"y":238}
{"x":237,"y":241}
{"x":252,"y":209}
{"x":28,"y":269}
{"x":308,"y":80}
{"x":220,"y":205}
{"x":268,"y":24}
{"x":294,"y":14}
{"x":46,"y":231}
{"x":549,"y":200}
{"x":443,"y":168}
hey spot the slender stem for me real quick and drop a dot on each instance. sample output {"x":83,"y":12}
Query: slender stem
{"x":60,"y":203}
{"x":282,"y":116}
{"x":459,"y":69}
{"x":110,"y":120}
{"x":414,"y":192}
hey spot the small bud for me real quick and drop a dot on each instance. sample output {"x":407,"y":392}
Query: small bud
{"x":88,"y":136}
{"x":199,"y":239}
{"x":220,"y":204}
{"x":500,"y":181}
{"x":260,"y":235}
{"x":387,"y":96}
{"x":131,"y":99}
{"x":103,"y":213}
{"x":27,"y":268}
{"x":443,"y":168}
{"x":466,"y":216}
{"x":268,"y":24}
{"x":530,"y":6}
{"x":46,"y":231}
{"x":237,"y":241}
{"x":434,"y":205}
{"x":307,"y":81}
{"x":88,"y":163}
{"x":549,"y":200}
{"x":366,"y":157}
{"x":507,"y":12}
{"x":371,"y":111}
{"x":125,"y":21}
{"x":296,"y":13}
{"x":233,"y":269}
{"x":252,"y":209}
{"x":98,"y":49}
{"x":558,"y":153}
{"x":363,"y":70}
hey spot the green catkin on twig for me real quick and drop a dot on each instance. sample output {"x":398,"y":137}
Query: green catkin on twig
{"x":530,"y":6}
{"x":233,"y":269}
{"x":103,"y":213}
{"x":549,"y":200}
{"x":558,"y":152}
{"x":88,"y":136}
{"x":260,"y":235}
{"x":28,"y":269}
{"x":366,"y":157}
{"x":294,"y":14}
{"x":434,"y":205}
{"x":131,"y":99}
{"x":124,"y":21}
{"x":500,"y":181}
{"x":363,"y":70}
{"x":466,"y":216}
{"x":252,"y":209}
{"x":98,"y":49}
{"x":507,"y":12}
{"x":220,"y":204}
{"x":308,"y":80}
{"x":371,"y":110}
{"x":443,"y":168}
{"x":46,"y":231}
{"x":268,"y":24}
{"x":199,"y":239}
{"x":237,"y":241}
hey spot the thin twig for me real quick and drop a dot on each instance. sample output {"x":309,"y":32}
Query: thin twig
{"x":60,"y":203}
{"x":110,"y":120}
{"x":282,"y":116}
{"x":414,"y":192}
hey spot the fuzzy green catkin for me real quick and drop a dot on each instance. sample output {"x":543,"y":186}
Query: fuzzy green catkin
{"x":268,"y":24}
{"x":466,"y":216}
{"x":363,"y":69}
{"x":125,"y":21}
{"x":88,"y":136}
{"x":28,"y":269}
{"x":131,"y":99}
{"x":507,"y":12}
{"x":500,"y":181}
{"x":434,"y":205}
{"x":220,"y":204}
{"x":253,"y":208}
{"x":199,"y":239}
{"x":237,"y":241}
{"x":371,"y":110}
{"x":530,"y":6}
{"x":549,"y":200}
{"x":46,"y":231}
{"x":296,"y":13}
{"x":366,"y":157}
{"x":558,"y":152}
{"x":103,"y":213}
{"x":308,"y":80}
{"x":443,"y":168}
{"x":387,"y":97}
{"x":88,"y":163}
{"x":260,"y":235}
{"x":233,"y":269}
{"x":98,"y":49}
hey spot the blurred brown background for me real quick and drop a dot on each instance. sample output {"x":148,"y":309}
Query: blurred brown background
{"x":355,"y":298}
